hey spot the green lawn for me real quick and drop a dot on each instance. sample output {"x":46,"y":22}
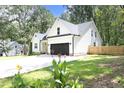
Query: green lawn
{"x":93,"y":71}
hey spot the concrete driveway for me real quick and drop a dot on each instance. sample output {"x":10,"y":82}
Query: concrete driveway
{"x":8,"y":67}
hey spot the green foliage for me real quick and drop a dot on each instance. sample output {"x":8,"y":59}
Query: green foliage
{"x":75,"y":83}
{"x":61,"y":76}
{"x":108,"y":19}
{"x":36,"y":53}
{"x":37,"y":84}
{"x":79,"y":14}
{"x":19,"y":23}
{"x":18,"y":81}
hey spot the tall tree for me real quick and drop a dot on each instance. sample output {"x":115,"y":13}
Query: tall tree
{"x":30,"y":19}
{"x":80,"y":14}
{"x":7,"y":30}
{"x":108,"y":21}
{"x":24,"y":21}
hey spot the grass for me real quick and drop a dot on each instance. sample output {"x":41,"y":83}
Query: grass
{"x":93,"y":71}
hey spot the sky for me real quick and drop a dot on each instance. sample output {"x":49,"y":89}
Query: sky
{"x":56,"y":10}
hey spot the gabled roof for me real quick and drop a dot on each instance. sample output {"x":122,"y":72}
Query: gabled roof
{"x":76,"y":29}
{"x":72,"y":27}
{"x":39,"y":36}
{"x":83,"y":27}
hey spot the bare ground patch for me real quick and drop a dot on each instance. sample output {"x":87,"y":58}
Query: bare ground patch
{"x":108,"y":80}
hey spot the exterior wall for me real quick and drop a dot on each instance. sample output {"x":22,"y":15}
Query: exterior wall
{"x":38,"y":45}
{"x":44,"y":46}
{"x":62,"y":39}
{"x":96,"y":39}
{"x":15,"y":50}
{"x":81,"y":43}
{"x":53,"y":30}
{"x":12,"y":52}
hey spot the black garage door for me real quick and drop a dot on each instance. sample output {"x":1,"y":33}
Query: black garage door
{"x":62,"y":48}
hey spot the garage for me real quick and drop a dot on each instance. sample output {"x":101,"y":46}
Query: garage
{"x":62,"y":48}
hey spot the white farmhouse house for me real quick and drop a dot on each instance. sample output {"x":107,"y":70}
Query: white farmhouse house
{"x":67,"y":38}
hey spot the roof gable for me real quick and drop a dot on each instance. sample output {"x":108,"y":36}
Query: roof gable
{"x":74,"y":29}
{"x":39,"y":36}
{"x":84,"y":27}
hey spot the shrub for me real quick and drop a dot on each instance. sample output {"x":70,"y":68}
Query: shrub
{"x":36,"y":53}
{"x":61,"y":76}
{"x":75,"y":83}
{"x":18,"y":81}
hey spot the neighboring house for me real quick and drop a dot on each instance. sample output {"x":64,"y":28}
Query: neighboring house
{"x":14,"y":49}
{"x":67,"y":38}
{"x":39,"y":43}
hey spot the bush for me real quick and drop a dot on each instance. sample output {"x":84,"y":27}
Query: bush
{"x":18,"y":81}
{"x":36,"y":53}
{"x":61,"y":76}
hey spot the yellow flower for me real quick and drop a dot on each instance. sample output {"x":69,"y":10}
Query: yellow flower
{"x":18,"y":67}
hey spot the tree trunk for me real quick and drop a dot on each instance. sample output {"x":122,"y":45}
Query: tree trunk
{"x":25,"y":48}
{"x":30,"y":48}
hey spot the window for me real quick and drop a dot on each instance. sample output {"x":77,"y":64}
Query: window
{"x":35,"y":45}
{"x":95,"y":34}
{"x":92,"y":33}
{"x":58,"y":31}
{"x":94,"y":43}
{"x":15,"y":46}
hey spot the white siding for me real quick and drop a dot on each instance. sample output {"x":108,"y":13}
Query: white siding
{"x":81,"y":43}
{"x":15,"y":49}
{"x":96,"y":39}
{"x":53,"y":30}
{"x":38,"y":45}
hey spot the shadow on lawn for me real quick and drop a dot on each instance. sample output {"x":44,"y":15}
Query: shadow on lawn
{"x":101,"y":72}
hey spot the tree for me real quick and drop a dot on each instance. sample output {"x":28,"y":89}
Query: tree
{"x":108,"y":21}
{"x":28,"y":20}
{"x":7,"y":30}
{"x":79,"y":14}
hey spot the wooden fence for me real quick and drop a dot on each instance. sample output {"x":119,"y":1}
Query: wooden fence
{"x":106,"y":50}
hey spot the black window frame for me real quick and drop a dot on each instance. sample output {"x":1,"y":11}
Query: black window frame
{"x":94,"y":43}
{"x":35,"y":45}
{"x":15,"y":46}
{"x":58,"y":30}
